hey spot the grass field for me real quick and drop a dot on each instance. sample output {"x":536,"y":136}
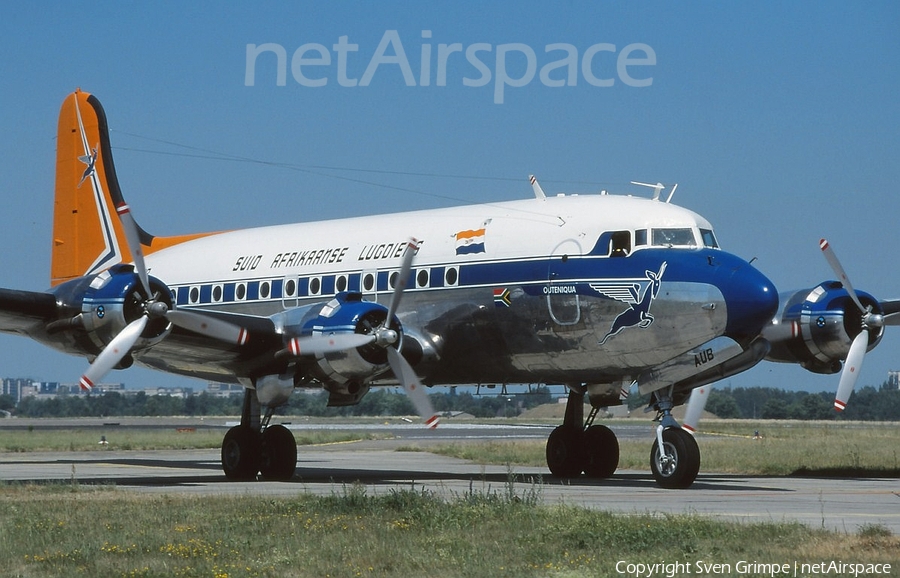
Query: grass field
{"x":67,"y":529}
{"x":60,"y":530}
{"x":729,"y":446}
{"x":87,"y":439}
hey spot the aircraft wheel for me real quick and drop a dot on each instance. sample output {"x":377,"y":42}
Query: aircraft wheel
{"x":564,"y":452}
{"x":240,"y":454}
{"x":279,"y":453}
{"x":679,"y":468}
{"x":601,"y":450}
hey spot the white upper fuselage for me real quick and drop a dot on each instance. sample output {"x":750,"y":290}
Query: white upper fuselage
{"x":515,"y":230}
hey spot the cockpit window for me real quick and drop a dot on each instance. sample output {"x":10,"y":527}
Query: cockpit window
{"x":673,"y":238}
{"x":709,"y":239}
{"x":620,"y":244}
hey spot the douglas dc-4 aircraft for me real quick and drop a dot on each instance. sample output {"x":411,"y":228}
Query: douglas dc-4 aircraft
{"x":597,"y":292}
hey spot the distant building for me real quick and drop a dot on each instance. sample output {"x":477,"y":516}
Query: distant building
{"x":894,"y":379}
{"x":13,"y":388}
{"x":223,"y":389}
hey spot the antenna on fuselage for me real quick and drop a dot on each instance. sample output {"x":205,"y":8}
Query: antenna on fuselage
{"x":672,"y":192}
{"x":657,"y":189}
{"x":536,"y":186}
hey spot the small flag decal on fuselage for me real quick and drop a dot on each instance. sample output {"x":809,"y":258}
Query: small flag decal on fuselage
{"x":468,"y":242}
{"x":501,"y":297}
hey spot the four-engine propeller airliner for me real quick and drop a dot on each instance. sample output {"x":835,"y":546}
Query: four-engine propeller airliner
{"x":596,"y":292}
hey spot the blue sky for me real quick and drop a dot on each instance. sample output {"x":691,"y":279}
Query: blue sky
{"x":780,"y":125}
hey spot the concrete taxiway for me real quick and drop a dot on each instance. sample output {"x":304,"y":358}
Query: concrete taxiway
{"x":834,"y":503}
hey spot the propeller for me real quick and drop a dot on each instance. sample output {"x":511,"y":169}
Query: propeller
{"x":386,"y":337}
{"x":853,"y":363}
{"x":383,"y":336}
{"x":113,"y":353}
{"x":322,"y":344}
{"x":153,"y":308}
{"x":695,"y":406}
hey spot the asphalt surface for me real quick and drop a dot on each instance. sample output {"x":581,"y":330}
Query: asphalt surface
{"x":841,"y":504}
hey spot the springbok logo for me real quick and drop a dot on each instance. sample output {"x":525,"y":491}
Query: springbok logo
{"x":90,"y":160}
{"x":638,"y":312}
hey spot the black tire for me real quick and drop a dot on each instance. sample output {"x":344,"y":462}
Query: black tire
{"x":601,"y":452}
{"x":681,"y":470}
{"x":279,"y":454}
{"x":240,"y":454}
{"x":564,"y":452}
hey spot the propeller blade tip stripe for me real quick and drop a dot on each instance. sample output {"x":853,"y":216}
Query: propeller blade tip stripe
{"x":85,"y":383}
{"x":688,"y":427}
{"x":433,"y":421}
{"x":839,"y":405}
{"x":823,"y":244}
{"x":122,"y":208}
{"x":243,"y":337}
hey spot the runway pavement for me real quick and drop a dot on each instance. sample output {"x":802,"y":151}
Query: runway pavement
{"x":838,"y":504}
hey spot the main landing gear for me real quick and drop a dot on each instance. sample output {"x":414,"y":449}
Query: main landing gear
{"x":255,"y":447}
{"x":573,"y":448}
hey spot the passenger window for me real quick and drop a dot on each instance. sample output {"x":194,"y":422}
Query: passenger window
{"x":673,"y":238}
{"x":640,"y":237}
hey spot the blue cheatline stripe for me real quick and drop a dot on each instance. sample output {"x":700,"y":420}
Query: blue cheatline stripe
{"x":683,"y":265}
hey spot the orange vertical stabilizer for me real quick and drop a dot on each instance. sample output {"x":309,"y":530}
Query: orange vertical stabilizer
{"x":87,"y":233}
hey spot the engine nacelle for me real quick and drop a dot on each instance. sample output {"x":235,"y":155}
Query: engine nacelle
{"x":815,"y":327}
{"x":108,"y":302}
{"x":346,"y":373}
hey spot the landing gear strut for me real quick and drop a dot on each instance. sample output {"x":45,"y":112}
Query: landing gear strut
{"x":675,"y":457}
{"x":580,"y":446}
{"x":256,"y":447}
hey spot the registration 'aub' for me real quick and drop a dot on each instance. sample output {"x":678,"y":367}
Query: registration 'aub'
{"x":597,"y":292}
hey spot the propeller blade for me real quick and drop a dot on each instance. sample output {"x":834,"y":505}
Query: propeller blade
{"x":892,"y":319}
{"x":851,"y":369}
{"x":322,"y":344}
{"x":113,"y":353}
{"x":209,"y":326}
{"x":414,"y":388}
{"x":133,"y":238}
{"x":839,"y":271}
{"x":402,"y":279}
{"x":695,"y":406}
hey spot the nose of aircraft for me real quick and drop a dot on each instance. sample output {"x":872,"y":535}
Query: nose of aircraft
{"x":750,"y":298}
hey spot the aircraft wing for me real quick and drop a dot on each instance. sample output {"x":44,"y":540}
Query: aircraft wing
{"x":21,"y":311}
{"x":187,"y":352}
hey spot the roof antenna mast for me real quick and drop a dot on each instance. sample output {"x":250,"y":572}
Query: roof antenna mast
{"x":538,"y":191}
{"x":657,"y":189}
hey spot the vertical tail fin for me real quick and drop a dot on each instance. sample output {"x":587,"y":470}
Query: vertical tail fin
{"x":87,"y":236}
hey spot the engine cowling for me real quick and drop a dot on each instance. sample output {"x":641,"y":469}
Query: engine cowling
{"x":815,"y":327}
{"x":105,"y":304}
{"x":348,"y":371}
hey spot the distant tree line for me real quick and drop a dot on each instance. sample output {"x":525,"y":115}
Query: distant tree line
{"x":379,"y":402}
{"x":867,"y":403}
